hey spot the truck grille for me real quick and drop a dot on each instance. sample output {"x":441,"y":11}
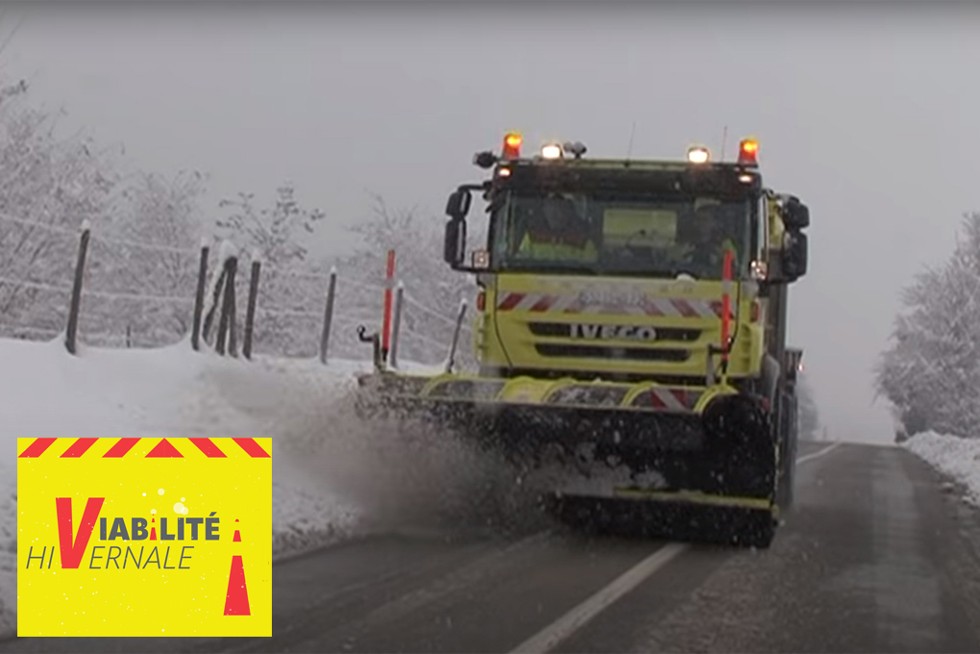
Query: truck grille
{"x":611,"y":352}
{"x":684,"y":335}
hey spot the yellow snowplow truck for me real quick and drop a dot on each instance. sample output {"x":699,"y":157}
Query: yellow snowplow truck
{"x":630,"y":331}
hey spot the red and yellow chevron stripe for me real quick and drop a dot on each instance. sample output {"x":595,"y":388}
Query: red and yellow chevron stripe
{"x":150,"y":448}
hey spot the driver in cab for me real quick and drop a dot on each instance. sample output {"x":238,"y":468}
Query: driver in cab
{"x":709,"y":241}
{"x":555,"y":231}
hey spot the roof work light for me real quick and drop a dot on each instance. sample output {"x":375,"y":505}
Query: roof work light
{"x":698,"y":154}
{"x":748,"y":152}
{"x":552,"y":151}
{"x":512,"y":145}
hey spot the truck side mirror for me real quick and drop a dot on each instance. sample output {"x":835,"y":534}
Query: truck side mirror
{"x":792,"y":363}
{"x":796,"y":215}
{"x":458,"y":204}
{"x":795,"y":253}
{"x":454,"y":246}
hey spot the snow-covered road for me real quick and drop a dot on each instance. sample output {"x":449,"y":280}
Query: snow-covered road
{"x":874,"y":557}
{"x":331,"y":477}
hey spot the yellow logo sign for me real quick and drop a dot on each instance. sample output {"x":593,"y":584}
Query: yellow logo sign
{"x":144,"y":537}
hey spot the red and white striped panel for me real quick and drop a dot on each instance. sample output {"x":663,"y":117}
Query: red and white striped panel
{"x":670,"y":399}
{"x":544,"y":302}
{"x":538,"y":302}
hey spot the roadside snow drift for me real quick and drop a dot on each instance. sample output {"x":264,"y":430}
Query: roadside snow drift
{"x":333,"y":477}
{"x":958,"y":458}
{"x":170,"y":391}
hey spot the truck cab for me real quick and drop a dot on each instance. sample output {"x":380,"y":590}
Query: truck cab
{"x":615,"y":269}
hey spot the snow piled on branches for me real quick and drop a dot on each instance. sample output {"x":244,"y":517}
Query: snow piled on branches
{"x":141,"y":265}
{"x":931,"y":372}
{"x":144,"y":249}
{"x":293,"y":286}
{"x":48,"y":187}
{"x":433,"y":291}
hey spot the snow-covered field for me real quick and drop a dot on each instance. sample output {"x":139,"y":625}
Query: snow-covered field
{"x":332,"y":476}
{"x":958,"y":458}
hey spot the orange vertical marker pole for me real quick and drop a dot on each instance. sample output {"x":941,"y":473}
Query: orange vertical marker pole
{"x":386,"y":325}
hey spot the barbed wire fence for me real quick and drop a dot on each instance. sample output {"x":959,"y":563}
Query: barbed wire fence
{"x":102,"y":290}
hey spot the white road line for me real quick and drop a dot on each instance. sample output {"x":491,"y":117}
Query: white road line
{"x":816,"y":455}
{"x":572,"y":621}
{"x":577,"y":617}
{"x":467,"y":576}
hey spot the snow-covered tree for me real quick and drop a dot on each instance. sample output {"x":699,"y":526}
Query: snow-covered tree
{"x":149,"y":250}
{"x":292,"y":287}
{"x":931,"y":371}
{"x":432,"y":290}
{"x":277,"y":231}
{"x":48,"y":187}
{"x":145,"y":230}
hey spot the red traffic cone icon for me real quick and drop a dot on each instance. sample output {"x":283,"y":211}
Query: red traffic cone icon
{"x":236,"y":599}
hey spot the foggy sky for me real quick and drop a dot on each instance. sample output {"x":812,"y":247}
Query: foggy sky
{"x":870,"y":115}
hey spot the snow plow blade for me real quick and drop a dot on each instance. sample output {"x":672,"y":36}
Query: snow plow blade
{"x":693,"y":463}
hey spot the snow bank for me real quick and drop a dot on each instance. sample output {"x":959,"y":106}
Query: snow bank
{"x":959,"y":458}
{"x":333,"y":475}
{"x":174,"y":391}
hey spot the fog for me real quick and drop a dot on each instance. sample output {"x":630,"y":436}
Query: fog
{"x":868,"y":113}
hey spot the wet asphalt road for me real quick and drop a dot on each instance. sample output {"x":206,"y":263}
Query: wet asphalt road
{"x":876,"y":557}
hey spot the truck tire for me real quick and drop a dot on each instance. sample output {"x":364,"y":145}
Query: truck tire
{"x":763,"y":536}
{"x":757,"y":530}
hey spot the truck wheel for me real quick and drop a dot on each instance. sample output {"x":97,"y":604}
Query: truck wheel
{"x":757,"y":531}
{"x":762,"y":538}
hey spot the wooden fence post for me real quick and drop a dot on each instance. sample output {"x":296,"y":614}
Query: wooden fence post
{"x":71,"y":338}
{"x":223,"y":311}
{"x":253,"y":291}
{"x":202,"y":273}
{"x":215,"y":304}
{"x":328,"y":315}
{"x":232,"y":310}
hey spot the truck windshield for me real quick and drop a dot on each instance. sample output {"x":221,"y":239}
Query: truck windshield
{"x":616,"y":234}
